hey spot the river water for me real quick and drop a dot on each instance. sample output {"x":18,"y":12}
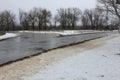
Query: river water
{"x":31,"y":43}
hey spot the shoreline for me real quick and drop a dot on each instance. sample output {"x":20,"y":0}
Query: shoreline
{"x":65,"y":33}
{"x":8,"y":36}
{"x":33,"y":65}
{"x":43,"y":52}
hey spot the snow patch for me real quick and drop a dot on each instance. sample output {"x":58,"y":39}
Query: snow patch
{"x":8,"y":35}
{"x":66,"y":32}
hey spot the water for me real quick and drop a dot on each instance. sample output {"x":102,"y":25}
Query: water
{"x":29,"y":44}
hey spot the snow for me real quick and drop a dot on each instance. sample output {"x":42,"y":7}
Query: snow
{"x":8,"y":35}
{"x":102,"y":63}
{"x":65,"y":32}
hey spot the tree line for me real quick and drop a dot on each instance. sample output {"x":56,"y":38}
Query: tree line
{"x":98,"y":18}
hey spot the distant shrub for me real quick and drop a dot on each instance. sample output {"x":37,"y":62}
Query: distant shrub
{"x":2,"y":32}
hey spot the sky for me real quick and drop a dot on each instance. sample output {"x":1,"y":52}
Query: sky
{"x":53,"y":5}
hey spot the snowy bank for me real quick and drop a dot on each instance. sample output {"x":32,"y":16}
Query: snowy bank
{"x":66,"y":32}
{"x":102,"y":63}
{"x":7,"y":36}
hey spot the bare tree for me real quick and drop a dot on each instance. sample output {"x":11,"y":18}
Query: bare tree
{"x":46,"y":18}
{"x":94,"y":19}
{"x":32,"y":18}
{"x":68,"y":18}
{"x":74,"y":15}
{"x":40,"y":17}
{"x":85,"y":20}
{"x":7,"y":21}
{"x":61,"y":17}
{"x":55,"y":20}
{"x":99,"y":19}
{"x":23,"y":18}
{"x":111,"y":7}
{"x":36,"y":18}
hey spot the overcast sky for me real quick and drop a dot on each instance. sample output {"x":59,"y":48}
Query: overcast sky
{"x":52,"y":5}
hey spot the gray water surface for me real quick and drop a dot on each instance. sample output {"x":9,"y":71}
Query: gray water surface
{"x":29,"y":44}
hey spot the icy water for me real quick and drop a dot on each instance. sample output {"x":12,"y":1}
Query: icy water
{"x":29,"y":44}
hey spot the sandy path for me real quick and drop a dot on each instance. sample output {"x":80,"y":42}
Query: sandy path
{"x":31,"y":66}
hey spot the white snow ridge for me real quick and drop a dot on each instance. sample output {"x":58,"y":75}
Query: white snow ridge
{"x":8,"y":35}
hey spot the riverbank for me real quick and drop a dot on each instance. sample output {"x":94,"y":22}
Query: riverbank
{"x":36,"y":65}
{"x":100,"y":63}
{"x":2,"y":33}
{"x":8,"y":36}
{"x":67,"y":32}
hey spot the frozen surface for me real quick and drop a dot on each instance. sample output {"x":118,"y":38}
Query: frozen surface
{"x":32,"y":43}
{"x":7,"y":35}
{"x":102,"y":63}
{"x":66,"y":32}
